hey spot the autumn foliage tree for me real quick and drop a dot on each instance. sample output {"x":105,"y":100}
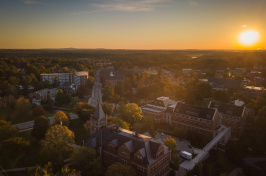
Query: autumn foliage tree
{"x":131,"y":113}
{"x":84,"y":110}
{"x":60,"y":117}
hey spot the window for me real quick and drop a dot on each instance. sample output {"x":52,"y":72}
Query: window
{"x":124,"y":154}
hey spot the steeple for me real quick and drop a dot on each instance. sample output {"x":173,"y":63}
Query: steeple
{"x":99,"y":114}
{"x":98,"y":120}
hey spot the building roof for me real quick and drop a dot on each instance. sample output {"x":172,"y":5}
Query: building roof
{"x":143,"y":144}
{"x":228,"y":109}
{"x":115,"y":75}
{"x":99,"y":113}
{"x":195,"y":111}
{"x":225,"y":82}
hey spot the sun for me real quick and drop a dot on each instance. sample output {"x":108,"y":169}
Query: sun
{"x":249,"y":37}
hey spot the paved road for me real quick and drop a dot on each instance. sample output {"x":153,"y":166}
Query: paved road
{"x":29,"y":125}
{"x":96,"y":90}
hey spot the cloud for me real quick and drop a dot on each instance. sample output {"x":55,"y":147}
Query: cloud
{"x":192,"y":2}
{"x":124,"y":6}
{"x":30,"y":2}
{"x":244,"y":26}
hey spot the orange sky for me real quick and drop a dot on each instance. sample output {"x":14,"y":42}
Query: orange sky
{"x":130,"y":24}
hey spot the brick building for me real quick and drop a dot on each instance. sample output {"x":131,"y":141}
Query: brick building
{"x":232,"y":116}
{"x":146,"y":155}
{"x":195,"y":118}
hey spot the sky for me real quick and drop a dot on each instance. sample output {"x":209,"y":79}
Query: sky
{"x":130,"y":24}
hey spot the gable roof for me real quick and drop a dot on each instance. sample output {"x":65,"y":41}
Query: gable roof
{"x":99,"y":114}
{"x":228,"y":109}
{"x":225,"y":82}
{"x":195,"y":111}
{"x":146,"y":145}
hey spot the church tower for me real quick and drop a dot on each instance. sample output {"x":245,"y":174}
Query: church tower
{"x":98,"y":120}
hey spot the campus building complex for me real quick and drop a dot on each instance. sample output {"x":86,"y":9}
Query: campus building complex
{"x":146,"y":155}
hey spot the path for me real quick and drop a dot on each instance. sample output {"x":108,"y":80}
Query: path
{"x":29,"y":125}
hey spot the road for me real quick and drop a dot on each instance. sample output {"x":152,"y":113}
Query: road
{"x":96,"y":90}
{"x":29,"y":125}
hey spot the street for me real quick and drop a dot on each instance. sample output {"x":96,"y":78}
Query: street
{"x":96,"y":90}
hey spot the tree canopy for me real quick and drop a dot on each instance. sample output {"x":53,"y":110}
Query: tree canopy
{"x":119,"y":169}
{"x":59,"y":117}
{"x":131,"y":113}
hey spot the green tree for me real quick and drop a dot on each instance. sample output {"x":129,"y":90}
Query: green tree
{"x":146,"y":125}
{"x":7,"y":131}
{"x":41,"y":125}
{"x":38,"y":111}
{"x":90,"y":81}
{"x":221,"y":95}
{"x":85,"y":160}
{"x":119,"y":169}
{"x":12,"y":147}
{"x":22,"y":106}
{"x":121,"y":123}
{"x":108,"y":108}
{"x":55,"y":146}
{"x":108,"y":91}
{"x":61,"y":117}
{"x":131,"y":113}
{"x":62,"y":98}
{"x":84,"y":110}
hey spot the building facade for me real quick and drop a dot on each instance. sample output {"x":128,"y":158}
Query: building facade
{"x":43,"y":95}
{"x":67,"y":81}
{"x":146,"y":155}
{"x":232,"y":116}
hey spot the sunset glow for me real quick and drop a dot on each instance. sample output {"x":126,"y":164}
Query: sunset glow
{"x":249,"y":37}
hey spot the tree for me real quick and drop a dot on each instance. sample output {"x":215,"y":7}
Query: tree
{"x":108,"y":91}
{"x":41,"y":125}
{"x":7,"y":131}
{"x":221,"y":95}
{"x":260,"y":132}
{"x":60,"y":117}
{"x":90,"y":81}
{"x":38,"y":110}
{"x":171,"y":144}
{"x":22,"y":106}
{"x":14,"y":146}
{"x":119,"y":169}
{"x":121,"y":123}
{"x":85,"y":160}
{"x":146,"y":125}
{"x":108,"y":108}
{"x":48,"y":170}
{"x":55,"y":146}
{"x":84,"y":110}
{"x":131,"y":113}
{"x":62,"y":98}
{"x":82,"y":91}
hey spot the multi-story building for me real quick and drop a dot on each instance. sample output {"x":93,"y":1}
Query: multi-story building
{"x":195,"y":118}
{"x":66,"y":79}
{"x":232,"y":116}
{"x":146,"y":155}
{"x":156,"y":108}
{"x":43,"y":95}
